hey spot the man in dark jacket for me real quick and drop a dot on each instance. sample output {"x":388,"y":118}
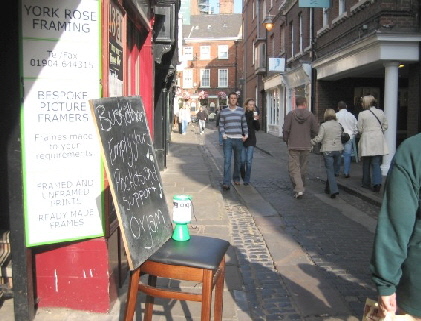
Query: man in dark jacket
{"x":300,"y":126}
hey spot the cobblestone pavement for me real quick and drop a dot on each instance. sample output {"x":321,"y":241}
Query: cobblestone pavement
{"x":265,"y":291}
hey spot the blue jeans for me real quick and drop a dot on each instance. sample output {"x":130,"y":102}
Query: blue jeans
{"x":347,"y":155}
{"x":202,"y":125}
{"x":246,"y":160}
{"x":184,"y":124}
{"x":372,"y":164}
{"x":332,"y":163}
{"x":231,"y":144}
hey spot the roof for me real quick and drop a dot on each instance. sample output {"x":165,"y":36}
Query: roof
{"x":214,"y":26}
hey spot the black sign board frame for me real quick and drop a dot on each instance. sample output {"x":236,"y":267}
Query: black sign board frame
{"x":133,"y":174}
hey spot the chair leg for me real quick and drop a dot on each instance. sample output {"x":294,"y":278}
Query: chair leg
{"x":132,"y":295}
{"x":207,"y":294}
{"x":219,"y":292}
{"x":149,"y":300}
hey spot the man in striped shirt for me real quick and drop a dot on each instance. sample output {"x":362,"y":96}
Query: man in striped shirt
{"x":234,"y":130}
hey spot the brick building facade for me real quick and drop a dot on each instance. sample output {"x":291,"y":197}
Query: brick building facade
{"x":211,"y":57}
{"x":352,"y":48}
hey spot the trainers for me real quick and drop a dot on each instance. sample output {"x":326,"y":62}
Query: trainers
{"x":299,"y":195}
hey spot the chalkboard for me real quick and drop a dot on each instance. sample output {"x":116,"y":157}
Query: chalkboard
{"x":134,"y":177}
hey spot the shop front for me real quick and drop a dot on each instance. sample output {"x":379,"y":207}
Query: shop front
{"x":275,"y":104}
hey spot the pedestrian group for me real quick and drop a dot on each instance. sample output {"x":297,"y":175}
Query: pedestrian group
{"x":396,"y":251}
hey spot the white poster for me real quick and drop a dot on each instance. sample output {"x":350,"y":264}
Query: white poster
{"x":277,"y":64}
{"x":62,"y":167}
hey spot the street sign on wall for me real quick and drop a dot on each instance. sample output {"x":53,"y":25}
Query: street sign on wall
{"x":314,"y":3}
{"x":62,"y":167}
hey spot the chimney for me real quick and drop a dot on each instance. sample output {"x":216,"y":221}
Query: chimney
{"x":226,"y":6}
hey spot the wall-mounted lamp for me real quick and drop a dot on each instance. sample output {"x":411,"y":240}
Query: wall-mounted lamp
{"x":268,"y":23}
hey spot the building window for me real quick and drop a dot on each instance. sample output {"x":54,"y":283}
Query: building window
{"x":300,"y":27}
{"x":254,"y":54}
{"x":254,"y":8}
{"x":222,"y":78}
{"x":205,"y":53}
{"x":188,"y":53}
{"x":188,"y":78}
{"x":341,"y":7}
{"x":204,"y":77}
{"x":325,"y":17}
{"x":223,"y":52}
{"x":282,"y":39}
{"x":291,"y":31}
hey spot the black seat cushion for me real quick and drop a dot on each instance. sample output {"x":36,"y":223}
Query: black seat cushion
{"x":200,"y":251}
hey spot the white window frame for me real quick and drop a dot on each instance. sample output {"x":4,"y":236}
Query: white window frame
{"x":222,"y":51}
{"x":188,"y":53}
{"x":292,"y":40}
{"x":205,"y":53}
{"x":222,"y":82}
{"x":205,"y":78}
{"x":325,"y":17}
{"x":341,"y":7}
{"x":188,"y":78}
{"x":300,"y":26}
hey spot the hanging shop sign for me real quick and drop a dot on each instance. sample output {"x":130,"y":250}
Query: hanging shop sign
{"x":115,"y":33}
{"x":314,"y":3}
{"x":63,"y":175}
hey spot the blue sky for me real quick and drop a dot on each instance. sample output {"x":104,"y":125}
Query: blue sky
{"x":237,"y":5}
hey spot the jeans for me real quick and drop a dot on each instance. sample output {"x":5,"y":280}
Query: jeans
{"x":201,"y":126}
{"x":297,"y":168}
{"x":332,"y":164}
{"x":347,"y":155}
{"x":231,"y":144}
{"x":246,"y":160}
{"x":184,"y":124}
{"x":372,"y":163}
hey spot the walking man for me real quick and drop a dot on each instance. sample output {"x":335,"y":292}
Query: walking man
{"x":349,"y":124}
{"x":202,"y":117}
{"x":300,"y":126}
{"x":234,"y":131}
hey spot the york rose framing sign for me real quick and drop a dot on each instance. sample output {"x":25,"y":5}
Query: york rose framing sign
{"x":61,"y":156}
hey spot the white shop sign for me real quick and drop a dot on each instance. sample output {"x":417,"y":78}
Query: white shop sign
{"x":61,"y":156}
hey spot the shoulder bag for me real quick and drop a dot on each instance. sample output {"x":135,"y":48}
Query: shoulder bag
{"x":380,"y":123}
{"x":344,"y":136}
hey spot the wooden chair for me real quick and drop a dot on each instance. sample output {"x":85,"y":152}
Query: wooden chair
{"x":201,"y":259}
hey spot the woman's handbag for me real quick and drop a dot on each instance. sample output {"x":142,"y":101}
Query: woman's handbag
{"x":344,"y":136}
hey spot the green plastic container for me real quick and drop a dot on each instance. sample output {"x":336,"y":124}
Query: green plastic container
{"x":182,"y":213}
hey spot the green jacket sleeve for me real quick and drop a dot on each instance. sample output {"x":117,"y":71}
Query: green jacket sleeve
{"x":397,"y":220}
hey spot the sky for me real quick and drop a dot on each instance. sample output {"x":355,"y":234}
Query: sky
{"x":237,"y":5}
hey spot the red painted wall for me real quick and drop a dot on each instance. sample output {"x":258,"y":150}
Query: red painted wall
{"x":75,"y":276}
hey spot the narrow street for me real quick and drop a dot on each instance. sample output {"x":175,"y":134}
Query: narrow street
{"x":326,"y":271}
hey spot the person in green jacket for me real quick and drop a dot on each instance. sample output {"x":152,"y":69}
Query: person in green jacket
{"x":396,"y":257}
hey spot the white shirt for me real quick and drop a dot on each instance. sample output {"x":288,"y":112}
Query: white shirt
{"x":348,"y":122}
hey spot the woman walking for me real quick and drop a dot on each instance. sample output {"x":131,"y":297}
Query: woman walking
{"x":330,"y":136}
{"x":253,"y":124}
{"x":372,"y":145}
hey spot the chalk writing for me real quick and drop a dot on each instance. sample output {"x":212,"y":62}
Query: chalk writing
{"x":135,"y":180}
